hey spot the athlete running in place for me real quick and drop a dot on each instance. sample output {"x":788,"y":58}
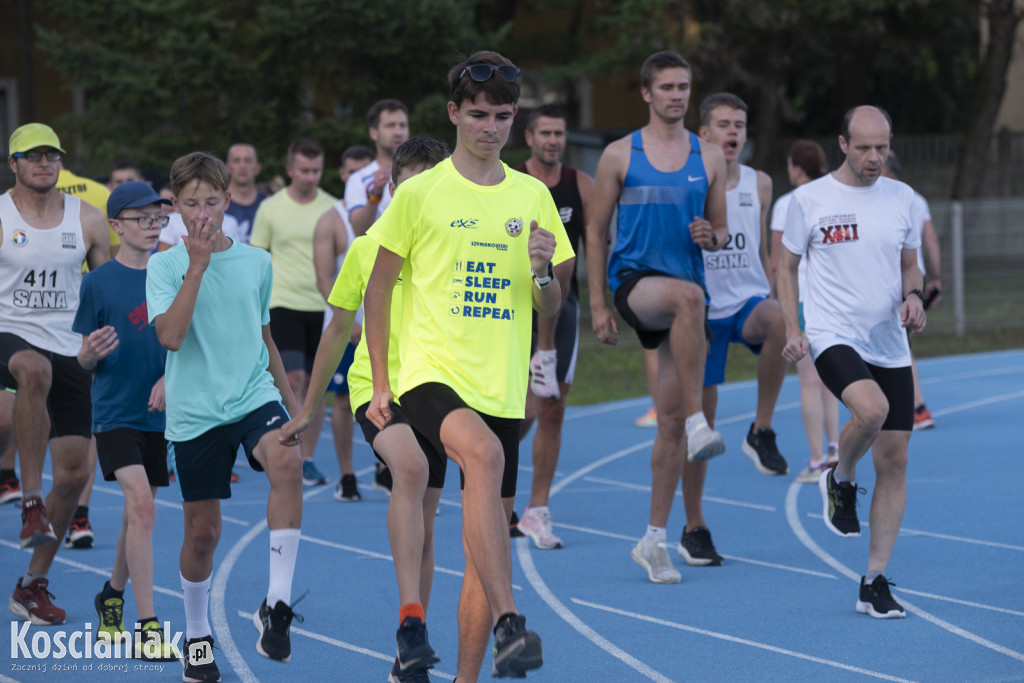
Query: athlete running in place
{"x":209,"y":299}
{"x":122,"y":351}
{"x":661,"y":177}
{"x":860,"y":238}
{"x":557,"y":339}
{"x":418,"y":469}
{"x":45,"y":237}
{"x":481,"y":241}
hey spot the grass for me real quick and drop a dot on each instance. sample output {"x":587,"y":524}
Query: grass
{"x":610,"y":373}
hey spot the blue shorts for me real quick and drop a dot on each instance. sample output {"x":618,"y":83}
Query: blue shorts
{"x":725,"y":331}
{"x":339,"y":382}
{"x":202,"y":466}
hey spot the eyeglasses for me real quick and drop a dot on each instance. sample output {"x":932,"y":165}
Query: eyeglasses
{"x":482,"y":73}
{"x":145,"y":222}
{"x":36,"y":155}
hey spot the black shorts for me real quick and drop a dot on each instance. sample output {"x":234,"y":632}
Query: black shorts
{"x":840,"y":366}
{"x":296,"y":335}
{"x":202,"y":466}
{"x":436,"y":460}
{"x":649,"y":339}
{"x":428,"y":404}
{"x":69,"y":402}
{"x":567,"y":338}
{"x":125,"y":446}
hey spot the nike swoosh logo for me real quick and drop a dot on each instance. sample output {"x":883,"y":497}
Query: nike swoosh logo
{"x":273,"y":420}
{"x":694,"y":179}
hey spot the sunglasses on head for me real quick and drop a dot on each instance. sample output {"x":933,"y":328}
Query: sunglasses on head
{"x":483,"y":72}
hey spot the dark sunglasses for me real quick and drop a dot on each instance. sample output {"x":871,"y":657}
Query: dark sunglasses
{"x":36,"y":155}
{"x":482,"y":73}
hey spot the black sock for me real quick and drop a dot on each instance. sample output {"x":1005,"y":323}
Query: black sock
{"x":81,"y":511}
{"x":109,"y":592}
{"x":8,"y":474}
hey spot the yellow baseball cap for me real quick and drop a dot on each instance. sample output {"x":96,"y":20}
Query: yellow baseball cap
{"x":33,"y":135}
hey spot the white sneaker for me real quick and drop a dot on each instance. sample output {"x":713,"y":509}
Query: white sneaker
{"x":654,"y":558}
{"x":537,"y":525}
{"x":812,"y":473}
{"x":703,"y":443}
{"x":543,"y":378}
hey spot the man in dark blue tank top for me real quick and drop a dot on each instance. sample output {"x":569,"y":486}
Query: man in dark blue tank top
{"x":553,"y":364}
{"x":669,"y":189}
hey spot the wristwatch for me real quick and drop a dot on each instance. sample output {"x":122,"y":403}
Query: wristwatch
{"x":918,"y":292}
{"x":543,"y":282}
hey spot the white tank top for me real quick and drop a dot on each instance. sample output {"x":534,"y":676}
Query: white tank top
{"x":735,"y":274}
{"x":40,"y":274}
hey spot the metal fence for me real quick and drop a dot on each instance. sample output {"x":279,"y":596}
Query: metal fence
{"x":982,"y":247}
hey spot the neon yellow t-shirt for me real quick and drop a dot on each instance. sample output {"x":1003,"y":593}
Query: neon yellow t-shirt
{"x":348,"y":293}
{"x":469,"y":295}
{"x":285,"y":228}
{"x":90,"y":192}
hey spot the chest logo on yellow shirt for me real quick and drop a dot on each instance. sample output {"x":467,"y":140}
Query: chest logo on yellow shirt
{"x":467,"y":223}
{"x":514,"y":226}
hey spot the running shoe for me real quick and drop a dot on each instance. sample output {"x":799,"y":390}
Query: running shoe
{"x":648,"y":420}
{"x":516,"y":650}
{"x":346,"y":491}
{"x":35,"y":527}
{"x":414,"y":651}
{"x":537,"y":525}
{"x":311,"y":475}
{"x":760,"y":447}
{"x":840,"y":505}
{"x":543,"y":377}
{"x":876,"y":600}
{"x":409,"y":676}
{"x":382,"y":479}
{"x":812,"y":473}
{"x":111,"y":613}
{"x":10,"y":489}
{"x":274,"y":626}
{"x":697,"y":549}
{"x":79,"y":534}
{"x":33,"y":604}
{"x":234,"y":477}
{"x":703,"y":443}
{"x":654,"y":558}
{"x":151,"y":644}
{"x":513,"y":525}
{"x":198,"y":662}
{"x":923,"y":418}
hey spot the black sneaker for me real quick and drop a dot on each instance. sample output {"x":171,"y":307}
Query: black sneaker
{"x":840,"y":505}
{"x":382,"y":479}
{"x":273,"y":625}
{"x":409,"y":676}
{"x":414,"y":651}
{"x":513,"y":526}
{"x":760,"y":447}
{"x":198,"y":662}
{"x":516,"y":650}
{"x":697,"y":549}
{"x":877,"y":601}
{"x":347,"y":491}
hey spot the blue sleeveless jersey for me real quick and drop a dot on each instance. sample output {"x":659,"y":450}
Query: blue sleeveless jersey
{"x":655,"y":211}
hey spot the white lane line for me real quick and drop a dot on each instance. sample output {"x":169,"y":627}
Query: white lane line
{"x":711,"y":499}
{"x":973,"y":375}
{"x":161,"y":503}
{"x":741,"y":641}
{"x":434,"y":673}
{"x":7,"y":679}
{"x":379,"y":556}
{"x":957,"y":601}
{"x":946,"y":537}
{"x":600,"y":409}
{"x":526,"y":563}
{"x":218,"y":614}
{"x":978,"y":403}
{"x":793,"y":517}
{"x":784,"y":567}
{"x":597,"y":464}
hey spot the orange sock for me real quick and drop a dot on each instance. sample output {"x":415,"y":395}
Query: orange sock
{"x":413,"y":609}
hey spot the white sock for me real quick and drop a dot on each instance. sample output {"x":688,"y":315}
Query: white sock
{"x":197,"y":605}
{"x":654,"y":535}
{"x":694,"y":421}
{"x":284,"y":548}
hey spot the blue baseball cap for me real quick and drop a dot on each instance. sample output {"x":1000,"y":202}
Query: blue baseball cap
{"x":132,"y":195}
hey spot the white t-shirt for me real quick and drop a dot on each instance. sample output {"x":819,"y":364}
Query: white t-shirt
{"x":852,"y":238}
{"x":342,"y":210}
{"x":175,"y":230}
{"x":734,"y":274}
{"x":778,"y":224}
{"x":357,"y":189}
{"x":921,"y":214}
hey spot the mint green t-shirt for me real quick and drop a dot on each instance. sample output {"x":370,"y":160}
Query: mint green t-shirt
{"x":220,"y":374}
